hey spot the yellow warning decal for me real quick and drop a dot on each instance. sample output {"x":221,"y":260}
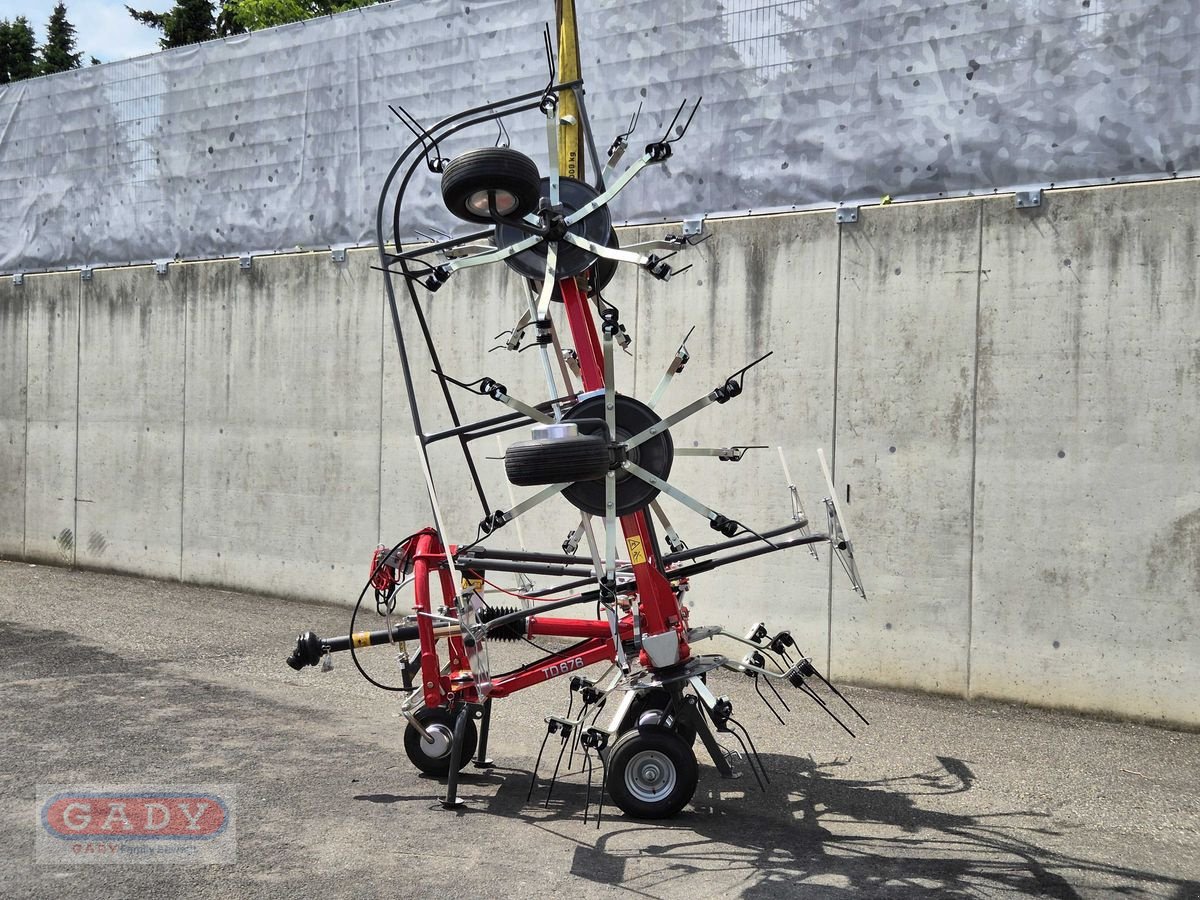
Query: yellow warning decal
{"x":636,"y":553}
{"x":361,"y":639}
{"x":473,"y":584}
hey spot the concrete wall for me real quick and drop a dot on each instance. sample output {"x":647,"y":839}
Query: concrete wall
{"x":1010,"y":399}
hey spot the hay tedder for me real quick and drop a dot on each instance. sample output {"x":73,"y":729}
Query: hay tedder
{"x":602,"y":454}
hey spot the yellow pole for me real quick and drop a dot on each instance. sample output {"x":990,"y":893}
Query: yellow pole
{"x":570,"y":143}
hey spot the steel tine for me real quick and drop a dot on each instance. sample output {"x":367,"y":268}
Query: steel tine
{"x":778,"y":695}
{"x":554,"y":777}
{"x":841,"y":697}
{"x":533,"y":783}
{"x":828,"y":711}
{"x":763,"y":698}
{"x":746,"y":732}
{"x":749,"y":760}
{"x":587,"y":797}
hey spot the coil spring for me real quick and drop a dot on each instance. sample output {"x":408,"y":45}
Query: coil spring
{"x":513,"y":631}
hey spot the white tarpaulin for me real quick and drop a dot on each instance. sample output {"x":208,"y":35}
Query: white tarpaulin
{"x":281,"y":139}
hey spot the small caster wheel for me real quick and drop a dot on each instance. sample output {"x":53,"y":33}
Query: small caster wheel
{"x":433,"y":756}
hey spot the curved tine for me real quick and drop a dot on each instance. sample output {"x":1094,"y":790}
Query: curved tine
{"x":746,"y":732}
{"x":749,"y":760}
{"x":633,"y":122}
{"x":804,"y":688}
{"x":686,"y":125}
{"x":412,"y":124}
{"x":762,"y":697}
{"x":554,"y":777}
{"x":536,"y":765}
{"x":587,"y":798}
{"x":674,"y":119}
{"x":603,"y":785}
{"x":853,"y":708}
{"x":778,"y":695}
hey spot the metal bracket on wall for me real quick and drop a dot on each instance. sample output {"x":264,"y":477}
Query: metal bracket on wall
{"x":1029,"y":199}
{"x":18,"y":278}
{"x":693,"y":225}
{"x":245,"y":260}
{"x":338,"y":254}
{"x":160,"y":265}
{"x":845,"y":215}
{"x":85,"y":273}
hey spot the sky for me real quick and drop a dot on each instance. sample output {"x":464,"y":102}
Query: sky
{"x":103,"y":28}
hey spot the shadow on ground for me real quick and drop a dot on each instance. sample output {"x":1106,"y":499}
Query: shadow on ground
{"x":815,"y":831}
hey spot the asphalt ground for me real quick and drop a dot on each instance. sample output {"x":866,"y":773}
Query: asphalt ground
{"x":113,"y":680}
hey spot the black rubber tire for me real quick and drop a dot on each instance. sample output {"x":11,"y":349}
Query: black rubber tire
{"x":441,"y":721}
{"x":491,"y":169}
{"x":584,"y":457}
{"x":646,"y":752}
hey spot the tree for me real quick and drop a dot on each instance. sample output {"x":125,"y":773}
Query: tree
{"x":18,"y":50}
{"x":192,"y":21}
{"x":58,"y":52}
{"x":187,"y":22}
{"x":252,"y":15}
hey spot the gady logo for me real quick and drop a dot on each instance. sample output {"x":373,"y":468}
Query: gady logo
{"x":157,"y":815}
{"x":132,"y":822}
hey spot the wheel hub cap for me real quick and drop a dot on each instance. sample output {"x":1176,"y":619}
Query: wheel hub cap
{"x":438,"y":743}
{"x":650,"y":776}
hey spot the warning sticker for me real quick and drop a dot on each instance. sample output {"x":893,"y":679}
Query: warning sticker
{"x":636,"y":553}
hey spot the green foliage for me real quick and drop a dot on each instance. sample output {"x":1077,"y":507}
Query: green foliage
{"x":255,"y":14}
{"x":187,"y":22}
{"x":18,"y":50}
{"x":58,"y":53}
{"x":192,"y":21}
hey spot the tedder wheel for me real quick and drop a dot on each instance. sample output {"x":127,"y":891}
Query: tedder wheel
{"x":508,"y":175}
{"x":582,"y":457}
{"x":652,"y":773}
{"x":433,"y":757}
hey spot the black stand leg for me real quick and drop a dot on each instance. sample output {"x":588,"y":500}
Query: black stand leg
{"x":456,"y":747}
{"x":690,"y":713}
{"x":481,"y":757}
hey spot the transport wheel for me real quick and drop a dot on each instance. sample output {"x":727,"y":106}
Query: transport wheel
{"x":581,"y":457}
{"x":652,"y":773}
{"x":433,"y":757}
{"x":502,"y":173}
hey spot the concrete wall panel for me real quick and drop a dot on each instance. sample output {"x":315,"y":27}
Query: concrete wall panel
{"x":1087,"y":537}
{"x":53,"y":302}
{"x":1025,"y":515}
{"x":906,"y":348}
{"x":14,"y":336}
{"x":131,"y":420}
{"x":756,"y":285}
{"x":281,"y":460}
